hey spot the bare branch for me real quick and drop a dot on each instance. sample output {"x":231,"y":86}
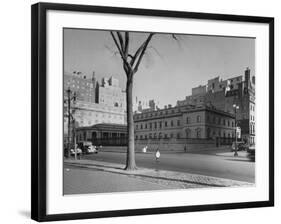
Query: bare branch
{"x":120,"y":40}
{"x":174,"y":37}
{"x":142,"y":52}
{"x":116,"y":43}
{"x":126,"y":47}
{"x":137,"y":54}
{"x":126,"y":65}
{"x":156,"y":51}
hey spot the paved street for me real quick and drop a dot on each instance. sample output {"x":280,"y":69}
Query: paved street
{"x":85,"y":181}
{"x":210,"y":165}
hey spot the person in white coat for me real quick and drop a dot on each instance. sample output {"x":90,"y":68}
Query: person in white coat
{"x":157,"y":155}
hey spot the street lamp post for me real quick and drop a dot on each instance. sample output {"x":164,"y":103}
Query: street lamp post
{"x":236,"y":107}
{"x":70,"y":117}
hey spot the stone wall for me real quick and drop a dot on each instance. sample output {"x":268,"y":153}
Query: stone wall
{"x":174,"y":144}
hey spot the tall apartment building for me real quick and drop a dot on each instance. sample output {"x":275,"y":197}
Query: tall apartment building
{"x":110,"y":93}
{"x":83,"y":86}
{"x":223,"y":94}
{"x":95,"y":103}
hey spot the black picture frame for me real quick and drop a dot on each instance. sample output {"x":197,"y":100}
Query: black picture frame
{"x":39,"y":108}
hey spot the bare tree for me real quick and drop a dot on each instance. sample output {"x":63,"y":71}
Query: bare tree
{"x":131,"y":64}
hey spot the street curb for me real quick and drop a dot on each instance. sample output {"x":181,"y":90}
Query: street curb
{"x":159,"y":174}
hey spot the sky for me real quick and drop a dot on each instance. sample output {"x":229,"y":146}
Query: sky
{"x":169,"y":69}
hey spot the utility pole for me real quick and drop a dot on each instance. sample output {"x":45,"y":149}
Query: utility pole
{"x":236,"y":107}
{"x":68,"y":124}
{"x":71,"y":118}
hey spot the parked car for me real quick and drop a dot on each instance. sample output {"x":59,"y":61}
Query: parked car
{"x":78,"y":150}
{"x":92,"y":149}
{"x":251,"y":152}
{"x":240,"y":146}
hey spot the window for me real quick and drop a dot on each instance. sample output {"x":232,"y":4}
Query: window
{"x":178,"y":135}
{"x":160,"y":124}
{"x":137,"y":127}
{"x":150,"y":125}
{"x":166,"y":124}
{"x":178,"y":122}
{"x":171,"y":135}
{"x":155,"y":125}
{"x":85,"y":135}
{"x":187,"y":133}
{"x":141,"y":126}
{"x":198,"y":133}
{"x":145,"y":125}
{"x":198,"y":118}
{"x":187,"y":120}
{"x":172,"y":123}
{"x":228,"y":124}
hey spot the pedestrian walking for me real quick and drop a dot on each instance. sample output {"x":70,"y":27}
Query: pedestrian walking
{"x":157,"y":155}
{"x":185,"y":148}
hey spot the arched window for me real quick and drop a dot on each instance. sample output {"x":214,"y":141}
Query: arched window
{"x":187,"y":133}
{"x":198,"y":133}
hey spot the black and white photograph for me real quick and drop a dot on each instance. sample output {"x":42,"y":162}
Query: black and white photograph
{"x":148,"y":111}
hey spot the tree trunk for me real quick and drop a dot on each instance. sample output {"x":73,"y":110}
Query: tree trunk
{"x":130,"y":163}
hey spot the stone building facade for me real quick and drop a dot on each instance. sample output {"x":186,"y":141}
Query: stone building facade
{"x":182,"y":125}
{"x":95,"y":103}
{"x":110,"y":94}
{"x":103,"y":134}
{"x":223,"y":94}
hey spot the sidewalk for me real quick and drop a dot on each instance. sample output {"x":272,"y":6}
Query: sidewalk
{"x":211,"y":150}
{"x":170,"y":179}
{"x":241,"y":154}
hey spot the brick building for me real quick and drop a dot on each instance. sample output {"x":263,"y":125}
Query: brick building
{"x":95,"y":103}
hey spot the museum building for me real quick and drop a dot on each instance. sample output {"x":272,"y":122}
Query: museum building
{"x":184,"y":122}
